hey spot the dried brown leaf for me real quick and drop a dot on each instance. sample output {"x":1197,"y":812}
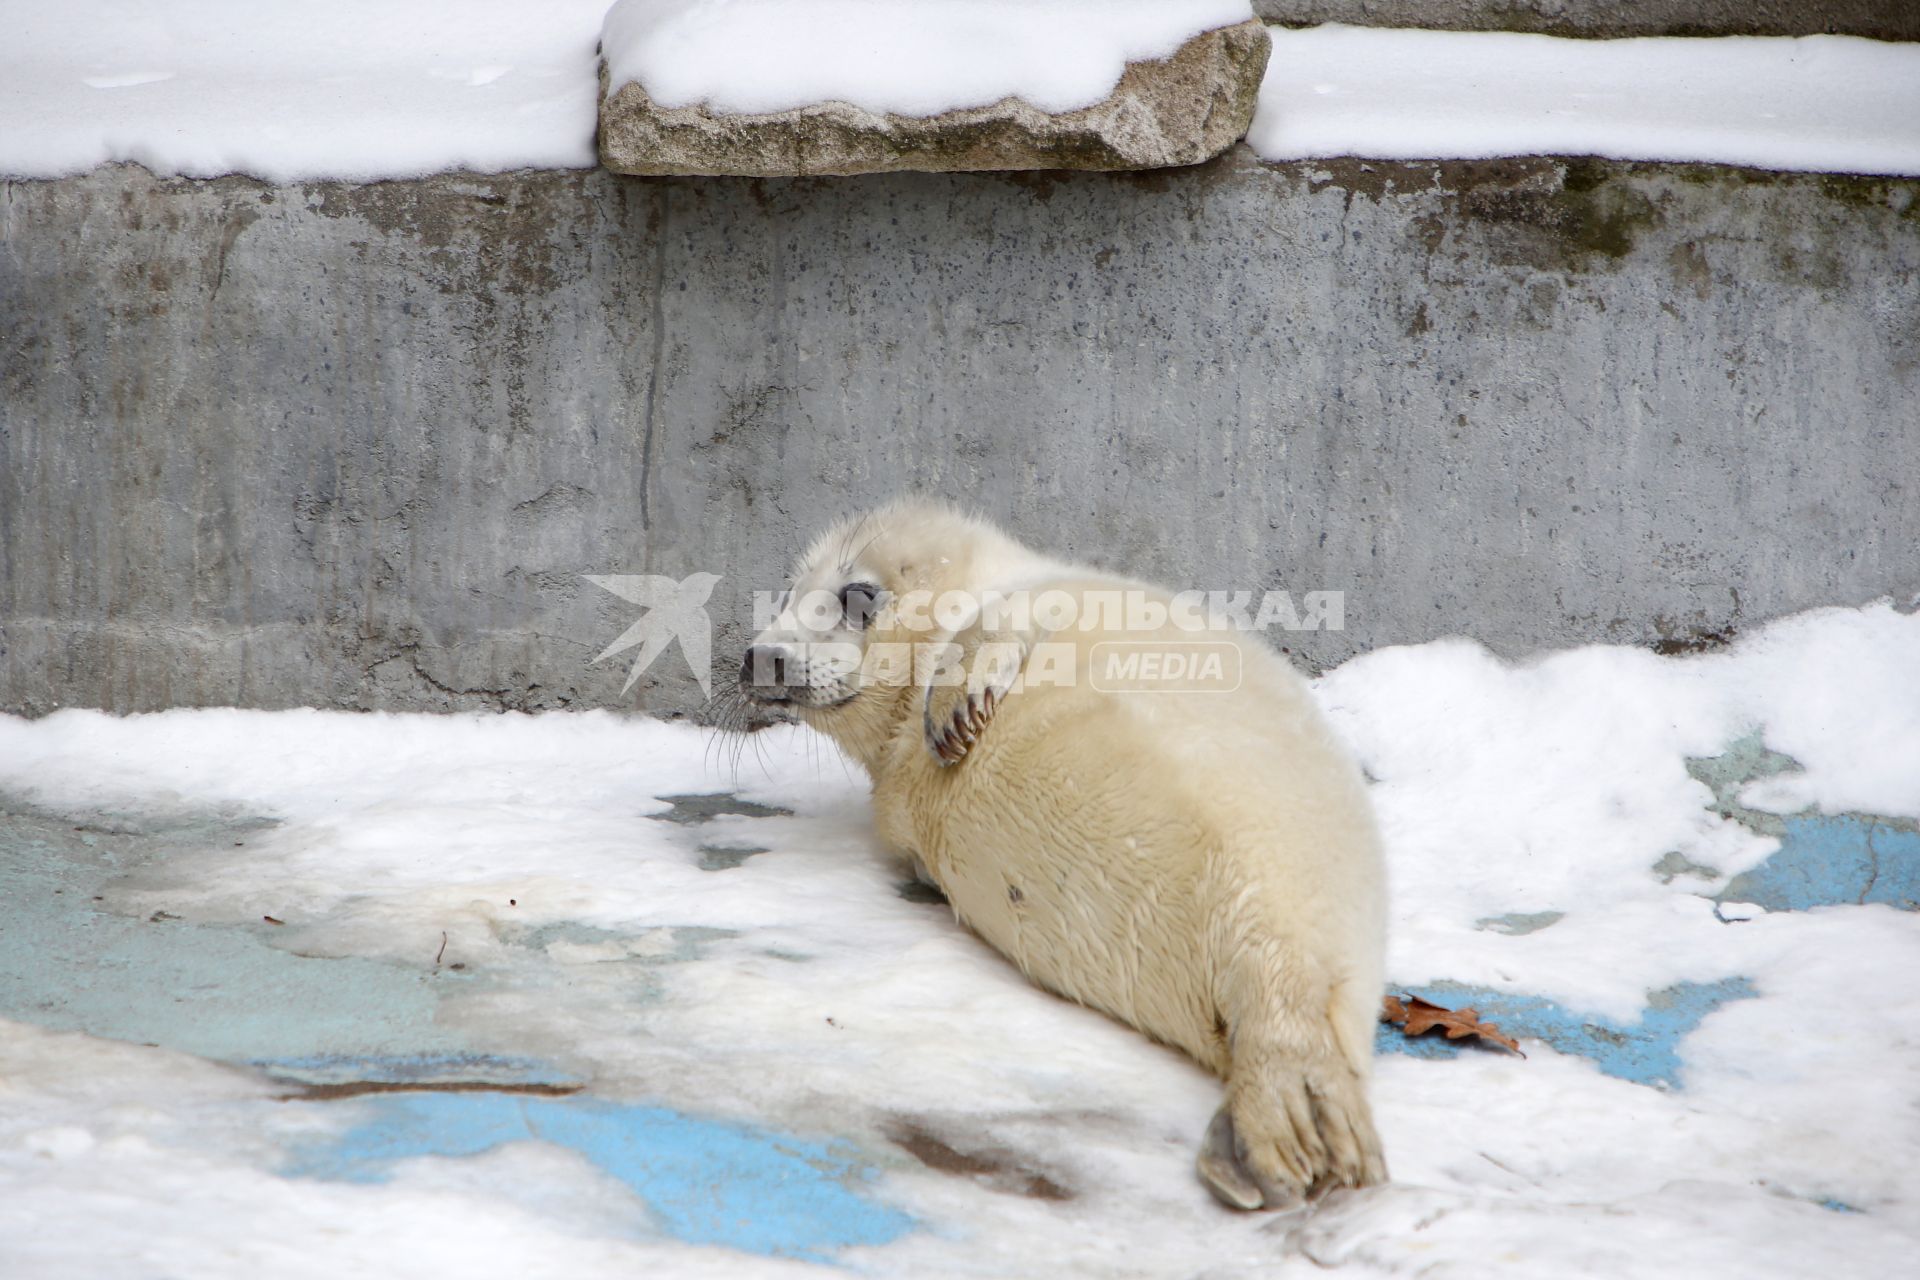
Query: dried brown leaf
{"x":1417,"y":1017}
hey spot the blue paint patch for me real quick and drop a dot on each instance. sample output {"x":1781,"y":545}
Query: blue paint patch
{"x":1646,"y":1051}
{"x":69,"y":962}
{"x":1830,"y":859}
{"x":1838,"y":1206}
{"x":705,"y":1182}
{"x":1824,"y":859}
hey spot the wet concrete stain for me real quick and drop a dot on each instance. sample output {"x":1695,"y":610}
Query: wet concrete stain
{"x":1517,"y":923}
{"x":692,"y":810}
{"x":666,"y":944}
{"x":993,"y":1168}
{"x":1673,"y":865}
{"x":703,"y":1181}
{"x":1676,"y":639}
{"x":1646,"y":1051}
{"x":714,"y":857}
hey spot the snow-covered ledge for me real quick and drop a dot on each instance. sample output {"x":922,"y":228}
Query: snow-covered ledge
{"x":784,"y":87}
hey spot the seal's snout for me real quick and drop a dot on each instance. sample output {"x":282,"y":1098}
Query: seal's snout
{"x":763,"y":674}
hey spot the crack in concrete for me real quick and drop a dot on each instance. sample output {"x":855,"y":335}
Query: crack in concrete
{"x":361,"y":1088}
{"x":409,"y":653}
{"x":659,"y":355}
{"x":1873,"y":865}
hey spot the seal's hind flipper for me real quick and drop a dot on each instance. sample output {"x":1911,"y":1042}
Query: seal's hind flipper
{"x":1219,"y":1167}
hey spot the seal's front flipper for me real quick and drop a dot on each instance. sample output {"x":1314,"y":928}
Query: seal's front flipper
{"x":976,"y":671}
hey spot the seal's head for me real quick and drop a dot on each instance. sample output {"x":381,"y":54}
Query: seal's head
{"x":861,"y":608}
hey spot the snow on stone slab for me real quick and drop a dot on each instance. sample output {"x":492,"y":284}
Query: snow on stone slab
{"x":292,"y":89}
{"x":913,"y":59}
{"x":370,"y":89}
{"x":685,"y":1064}
{"x":767,"y":88}
{"x":1834,"y":104}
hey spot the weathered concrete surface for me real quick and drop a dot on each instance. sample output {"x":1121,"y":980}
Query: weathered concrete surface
{"x":355,"y":446}
{"x":1178,"y":110}
{"x":1879,"y":19}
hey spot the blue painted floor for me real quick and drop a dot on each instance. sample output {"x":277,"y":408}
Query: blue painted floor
{"x":350,"y":1032}
{"x":1645,"y":1051}
{"x":702,"y":1181}
{"x":1833,"y":859}
{"x":1824,"y":859}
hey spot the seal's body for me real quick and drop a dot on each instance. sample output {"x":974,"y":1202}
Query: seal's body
{"x":1178,"y":841}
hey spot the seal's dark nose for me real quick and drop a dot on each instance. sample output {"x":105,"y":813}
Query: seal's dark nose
{"x":764,"y":670}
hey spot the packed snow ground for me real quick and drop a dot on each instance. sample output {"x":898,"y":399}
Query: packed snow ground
{"x":563,"y":923}
{"x":367,"y":89}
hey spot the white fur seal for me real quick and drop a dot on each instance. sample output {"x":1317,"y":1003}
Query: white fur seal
{"x":1189,"y":851}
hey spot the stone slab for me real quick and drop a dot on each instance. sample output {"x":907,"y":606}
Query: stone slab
{"x":1180,"y":110}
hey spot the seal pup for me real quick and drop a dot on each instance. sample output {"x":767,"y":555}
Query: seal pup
{"x":1192,"y":853}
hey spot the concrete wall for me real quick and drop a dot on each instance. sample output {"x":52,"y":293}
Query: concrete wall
{"x":355,"y":445}
{"x":1880,"y":19}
